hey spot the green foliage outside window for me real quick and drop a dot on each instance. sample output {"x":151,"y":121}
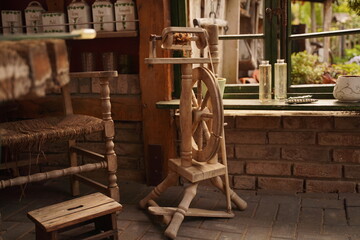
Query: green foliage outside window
{"x":354,"y":5}
{"x":306,"y":68}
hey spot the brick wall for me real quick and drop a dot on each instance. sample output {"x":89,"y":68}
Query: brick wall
{"x":128,"y":134}
{"x":294,"y":153}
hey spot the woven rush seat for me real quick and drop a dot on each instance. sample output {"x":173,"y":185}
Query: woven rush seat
{"x":28,"y":136}
{"x":27,"y":132}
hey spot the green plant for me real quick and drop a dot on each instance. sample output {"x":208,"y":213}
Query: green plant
{"x":352,"y":52}
{"x":354,"y":5}
{"x":306,"y":68}
{"x":345,"y":69}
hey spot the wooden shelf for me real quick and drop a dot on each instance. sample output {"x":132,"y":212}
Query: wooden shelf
{"x":116,"y":34}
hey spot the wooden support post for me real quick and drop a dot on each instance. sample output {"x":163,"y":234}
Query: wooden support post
{"x":186,"y":115}
{"x":156,"y":85}
{"x":110,"y":155}
{"x":213,"y":32}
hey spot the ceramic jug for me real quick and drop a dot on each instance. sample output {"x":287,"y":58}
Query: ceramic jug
{"x":79,"y":15}
{"x":125,"y":15}
{"x":103,"y":15}
{"x":11,"y":21}
{"x":347,"y":88}
{"x":54,"y":22}
{"x":33,"y":19}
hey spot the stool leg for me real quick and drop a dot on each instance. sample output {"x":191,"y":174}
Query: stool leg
{"x":42,"y":235}
{"x":106,"y":223}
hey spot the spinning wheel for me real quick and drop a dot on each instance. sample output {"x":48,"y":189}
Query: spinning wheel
{"x":207,"y":115}
{"x":201,"y":125}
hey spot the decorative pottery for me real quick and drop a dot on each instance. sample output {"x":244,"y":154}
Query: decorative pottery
{"x":79,"y":15}
{"x":125,"y":15}
{"x":103,"y":15}
{"x":33,"y":17}
{"x":54,"y":22}
{"x":347,"y":88}
{"x":11,"y":21}
{"x":221,"y":82}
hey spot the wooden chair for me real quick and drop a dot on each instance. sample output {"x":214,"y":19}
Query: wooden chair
{"x":68,"y":126}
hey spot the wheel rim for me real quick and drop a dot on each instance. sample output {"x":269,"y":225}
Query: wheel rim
{"x":207,"y":115}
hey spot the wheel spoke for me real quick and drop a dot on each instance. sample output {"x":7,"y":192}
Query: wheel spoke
{"x":194,"y":100}
{"x":205,"y":100}
{"x":207,"y":116}
{"x":206,"y":130}
{"x":195,"y":126}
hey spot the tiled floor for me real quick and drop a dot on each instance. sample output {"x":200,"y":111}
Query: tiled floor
{"x":269,"y":215}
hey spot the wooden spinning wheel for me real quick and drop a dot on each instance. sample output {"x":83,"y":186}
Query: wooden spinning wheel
{"x":207,"y":115}
{"x":201,"y":126}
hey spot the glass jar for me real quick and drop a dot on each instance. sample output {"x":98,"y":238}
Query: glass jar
{"x":264,"y":81}
{"x":280,"y":80}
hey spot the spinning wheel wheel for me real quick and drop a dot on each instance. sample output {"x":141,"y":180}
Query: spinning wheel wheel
{"x":207,"y":114}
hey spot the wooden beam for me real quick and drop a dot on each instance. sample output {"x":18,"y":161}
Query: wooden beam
{"x":156,"y":85}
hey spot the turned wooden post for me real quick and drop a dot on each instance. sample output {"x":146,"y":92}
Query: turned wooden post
{"x":213,"y":32}
{"x":110,"y":155}
{"x":186,"y":113}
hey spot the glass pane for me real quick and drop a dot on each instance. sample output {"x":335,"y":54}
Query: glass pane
{"x":322,"y":60}
{"x":309,"y":64}
{"x":239,"y":59}
{"x":251,"y":51}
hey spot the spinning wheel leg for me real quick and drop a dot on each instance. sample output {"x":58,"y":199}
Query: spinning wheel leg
{"x":169,"y":181}
{"x":217,"y":182}
{"x":179,"y":215}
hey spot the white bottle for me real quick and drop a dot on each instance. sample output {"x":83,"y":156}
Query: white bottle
{"x":280,"y":80}
{"x":265,"y":82}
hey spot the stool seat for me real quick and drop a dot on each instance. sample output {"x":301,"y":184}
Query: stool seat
{"x":95,"y":207}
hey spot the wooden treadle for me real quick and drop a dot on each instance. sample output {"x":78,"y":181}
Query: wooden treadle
{"x":191,"y":212}
{"x":198,"y":171}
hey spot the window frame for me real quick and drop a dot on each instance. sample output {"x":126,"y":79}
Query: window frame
{"x":271,"y":9}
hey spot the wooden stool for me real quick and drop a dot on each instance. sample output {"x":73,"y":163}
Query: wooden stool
{"x":95,"y":207}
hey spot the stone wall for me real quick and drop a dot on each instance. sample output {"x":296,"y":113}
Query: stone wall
{"x":295,"y":153}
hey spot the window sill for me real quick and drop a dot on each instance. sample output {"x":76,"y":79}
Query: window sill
{"x":254,"y":104}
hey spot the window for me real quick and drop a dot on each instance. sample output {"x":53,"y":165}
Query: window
{"x":281,"y":29}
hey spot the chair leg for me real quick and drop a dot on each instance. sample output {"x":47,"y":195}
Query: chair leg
{"x":75,"y":186}
{"x":111,"y":159}
{"x":106,"y":223}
